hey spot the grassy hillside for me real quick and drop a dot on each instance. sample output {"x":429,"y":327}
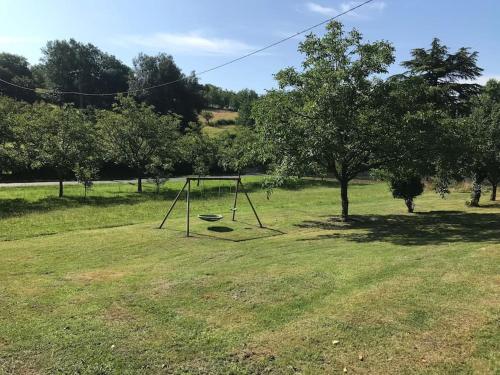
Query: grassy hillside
{"x":215,"y":130}
{"x":92,"y":287}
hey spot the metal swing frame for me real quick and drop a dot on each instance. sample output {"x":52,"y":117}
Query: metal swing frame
{"x":239,"y":185}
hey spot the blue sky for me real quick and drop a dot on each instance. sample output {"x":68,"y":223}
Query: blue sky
{"x":201,"y":33}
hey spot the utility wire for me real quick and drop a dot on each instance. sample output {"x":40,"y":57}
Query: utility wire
{"x":197,"y":74}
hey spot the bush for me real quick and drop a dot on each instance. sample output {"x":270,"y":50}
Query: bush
{"x":222,"y":122}
{"x":407,"y":189}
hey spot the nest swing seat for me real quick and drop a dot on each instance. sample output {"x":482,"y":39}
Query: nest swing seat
{"x":210,"y":217}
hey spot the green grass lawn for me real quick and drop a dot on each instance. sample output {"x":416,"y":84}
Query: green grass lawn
{"x":93,"y":287}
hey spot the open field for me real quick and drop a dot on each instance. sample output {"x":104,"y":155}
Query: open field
{"x":213,"y":131}
{"x":92,"y":287}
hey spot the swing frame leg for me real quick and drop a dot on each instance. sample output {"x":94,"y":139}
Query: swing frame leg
{"x":250,"y":202}
{"x":235,"y":200}
{"x":188,"y":207}
{"x":172,"y":206}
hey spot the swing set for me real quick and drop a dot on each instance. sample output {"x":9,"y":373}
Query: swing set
{"x":210,"y":217}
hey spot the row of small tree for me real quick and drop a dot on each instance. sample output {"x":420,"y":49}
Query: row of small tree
{"x":342,"y":115}
{"x":77,"y":142}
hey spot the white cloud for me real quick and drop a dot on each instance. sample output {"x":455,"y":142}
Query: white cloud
{"x":192,"y":43}
{"x":316,"y":8}
{"x":331,"y":11}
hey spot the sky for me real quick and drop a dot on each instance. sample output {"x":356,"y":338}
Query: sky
{"x":200,"y":34}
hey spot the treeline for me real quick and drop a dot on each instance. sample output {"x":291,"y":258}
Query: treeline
{"x":71,"y":66}
{"x":71,"y":142}
{"x":46,"y":129}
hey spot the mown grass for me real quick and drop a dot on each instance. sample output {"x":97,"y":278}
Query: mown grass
{"x":93,"y":287}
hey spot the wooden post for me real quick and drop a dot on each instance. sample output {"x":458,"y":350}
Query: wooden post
{"x":173,"y":205}
{"x":187,"y":207}
{"x":249,"y":201}
{"x":235,"y":199}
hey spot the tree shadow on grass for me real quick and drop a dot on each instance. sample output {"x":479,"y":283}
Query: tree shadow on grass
{"x":20,"y":206}
{"x":430,"y":228}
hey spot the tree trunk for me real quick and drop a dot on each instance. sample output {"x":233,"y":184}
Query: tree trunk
{"x":139,"y":185}
{"x":493,"y":192}
{"x":61,"y":188}
{"x":410,"y":205}
{"x":345,"y":200}
{"x":476,"y":193}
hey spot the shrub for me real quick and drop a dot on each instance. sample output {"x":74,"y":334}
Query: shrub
{"x":222,"y":122}
{"x":407,"y":189}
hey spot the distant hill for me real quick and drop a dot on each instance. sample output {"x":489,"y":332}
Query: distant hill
{"x":219,"y":114}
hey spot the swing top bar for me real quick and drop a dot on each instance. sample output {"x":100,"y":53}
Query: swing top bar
{"x":206,"y":178}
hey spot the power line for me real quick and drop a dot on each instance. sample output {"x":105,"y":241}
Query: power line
{"x":197,"y":74}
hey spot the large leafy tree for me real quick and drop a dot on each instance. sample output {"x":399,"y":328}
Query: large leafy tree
{"x":77,"y":67}
{"x":482,"y":137}
{"x":244,"y":101}
{"x":216,"y":97}
{"x":450,"y":76}
{"x":135,"y":135}
{"x":59,"y":138}
{"x":15,"y":69}
{"x":183,"y":96}
{"x":239,"y":151}
{"x":425,"y":137}
{"x":447,"y":73}
{"x":8,"y":109}
{"x":334,"y":116}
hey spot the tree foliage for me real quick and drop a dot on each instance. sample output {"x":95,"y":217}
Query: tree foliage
{"x":55,"y":137}
{"x":237,"y":152}
{"x":407,"y":188}
{"x":77,"y":67}
{"x":482,"y":139}
{"x":15,"y":69}
{"x":447,"y":73}
{"x":335,"y":116}
{"x":207,"y":116}
{"x":9,"y":109}
{"x":135,"y":135}
{"x":182,"y":97}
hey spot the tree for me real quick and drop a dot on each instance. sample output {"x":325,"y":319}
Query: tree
{"x":482,"y":136}
{"x":216,"y":97}
{"x":86,"y":172}
{"x":56,"y":137}
{"x":207,"y":115}
{"x":335,"y":116}
{"x":198,"y":151}
{"x":450,"y":77}
{"x":15,"y":69}
{"x":244,"y":102}
{"x":8,"y":110}
{"x":135,"y":135}
{"x":77,"y":67}
{"x":183,"y":96}
{"x":447,"y":73}
{"x":236,"y":152}
{"x":407,"y":188}
{"x":428,"y":147}
{"x":492,"y":91}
